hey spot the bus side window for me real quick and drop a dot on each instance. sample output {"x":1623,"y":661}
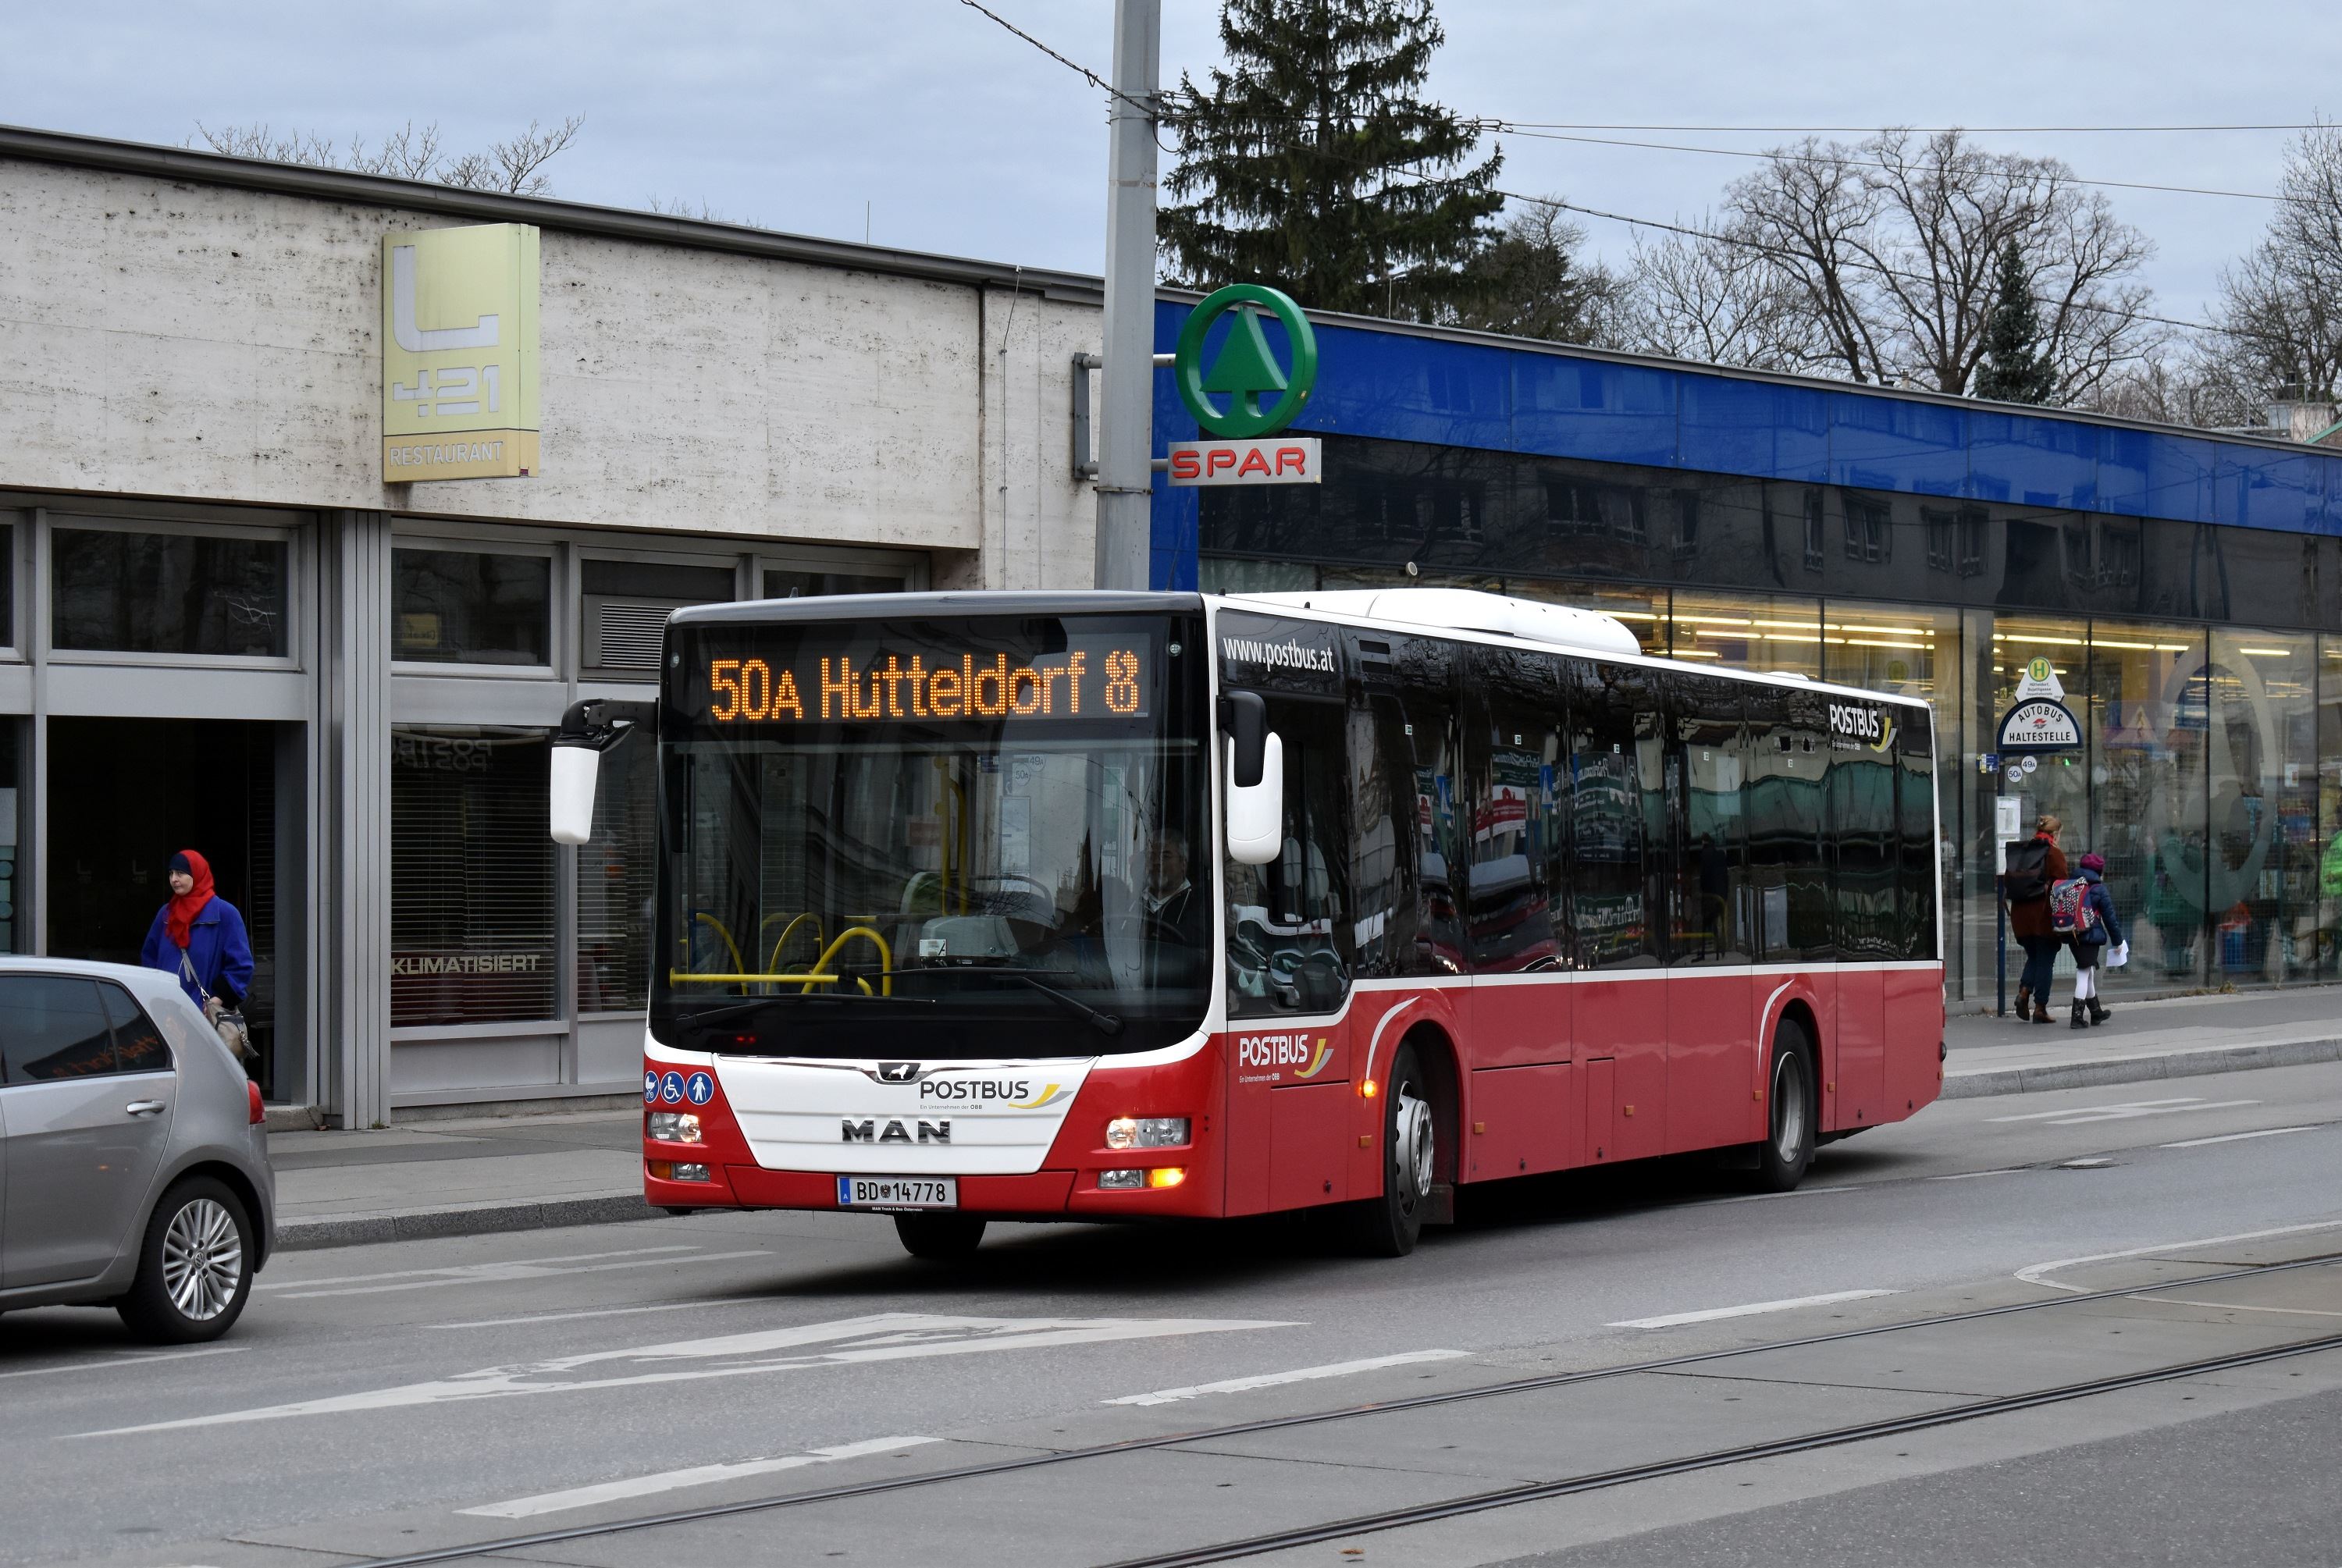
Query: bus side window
{"x":1611,"y":908}
{"x":1707,"y":913}
{"x":1290,"y":934}
{"x":1514,"y":761}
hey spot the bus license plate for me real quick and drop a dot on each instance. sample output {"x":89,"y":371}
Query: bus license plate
{"x":898,"y":1192}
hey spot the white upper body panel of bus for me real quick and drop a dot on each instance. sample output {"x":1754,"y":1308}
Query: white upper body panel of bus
{"x":1472,"y":615}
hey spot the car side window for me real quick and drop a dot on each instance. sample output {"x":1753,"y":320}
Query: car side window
{"x":138,"y":1045}
{"x":53,"y":1026}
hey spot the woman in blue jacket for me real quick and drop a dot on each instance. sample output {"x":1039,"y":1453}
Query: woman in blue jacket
{"x":200,"y":938}
{"x":2090,"y":942}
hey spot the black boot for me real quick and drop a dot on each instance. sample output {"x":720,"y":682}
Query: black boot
{"x":2100,"y":1014}
{"x":2079,"y":1022}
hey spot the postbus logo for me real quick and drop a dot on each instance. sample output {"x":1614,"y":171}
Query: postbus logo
{"x":1861,"y":721}
{"x":1307,"y":1058}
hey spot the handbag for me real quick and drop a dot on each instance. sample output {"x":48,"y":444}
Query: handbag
{"x":2117,"y":955}
{"x":233,"y":1033}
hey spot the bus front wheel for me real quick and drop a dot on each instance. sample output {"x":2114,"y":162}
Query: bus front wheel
{"x":1790,"y":1111}
{"x":939,"y":1238}
{"x":1386,"y":1226}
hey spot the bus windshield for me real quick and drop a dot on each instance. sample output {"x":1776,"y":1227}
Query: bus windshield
{"x":933,"y":839}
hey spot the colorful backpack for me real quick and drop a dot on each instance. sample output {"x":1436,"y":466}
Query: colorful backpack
{"x":2069,"y":906}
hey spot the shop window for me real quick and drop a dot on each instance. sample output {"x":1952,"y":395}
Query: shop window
{"x":786,"y":583}
{"x":471,"y":877}
{"x":1686,"y":539}
{"x":615,"y":882}
{"x":168,"y":592}
{"x":1869,"y":531}
{"x":1943,"y":537}
{"x":467,"y":607}
{"x":1973,"y":520}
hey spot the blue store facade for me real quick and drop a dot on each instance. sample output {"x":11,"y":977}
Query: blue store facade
{"x":2187,"y":589}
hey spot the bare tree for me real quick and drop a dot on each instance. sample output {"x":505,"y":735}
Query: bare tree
{"x":699,"y":208}
{"x":2280,"y":306}
{"x":514,"y":165}
{"x":1890,"y":250}
{"x":1530,"y":282}
{"x":1715,"y":296}
{"x":2183,"y":389}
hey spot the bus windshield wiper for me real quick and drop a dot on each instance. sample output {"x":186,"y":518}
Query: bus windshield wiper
{"x":738,"y":1009}
{"x":1105,"y":1023}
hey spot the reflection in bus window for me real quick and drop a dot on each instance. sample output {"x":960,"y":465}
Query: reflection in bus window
{"x":1290,"y":927}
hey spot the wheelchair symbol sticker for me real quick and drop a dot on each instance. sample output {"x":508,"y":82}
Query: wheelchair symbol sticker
{"x":671,"y":1088}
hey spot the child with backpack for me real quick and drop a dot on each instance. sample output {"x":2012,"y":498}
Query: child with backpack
{"x":2032,"y":869}
{"x":2087,"y":912}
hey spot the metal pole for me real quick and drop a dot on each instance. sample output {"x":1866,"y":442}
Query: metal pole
{"x":1126,"y":417}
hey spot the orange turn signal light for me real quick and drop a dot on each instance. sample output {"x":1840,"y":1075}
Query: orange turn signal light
{"x":1368,"y":1089}
{"x":1165,"y":1176}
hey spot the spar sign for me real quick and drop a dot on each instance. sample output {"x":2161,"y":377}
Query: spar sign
{"x":1262,"y":396}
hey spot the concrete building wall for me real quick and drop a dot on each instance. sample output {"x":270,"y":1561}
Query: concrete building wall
{"x":163,"y":337}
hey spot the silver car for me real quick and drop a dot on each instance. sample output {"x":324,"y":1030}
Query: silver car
{"x":133,"y":1155}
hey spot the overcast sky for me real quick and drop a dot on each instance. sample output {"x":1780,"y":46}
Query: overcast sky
{"x":961,"y":139}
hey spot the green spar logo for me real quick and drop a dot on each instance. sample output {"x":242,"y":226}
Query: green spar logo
{"x":1245,"y":369}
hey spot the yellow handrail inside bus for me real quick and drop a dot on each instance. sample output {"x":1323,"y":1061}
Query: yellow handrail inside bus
{"x":790,"y":930}
{"x":886,"y":956}
{"x":731,"y":946}
{"x":681,"y":977}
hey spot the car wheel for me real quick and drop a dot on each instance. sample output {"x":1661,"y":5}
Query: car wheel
{"x":194,"y":1265}
{"x":1790,"y":1113}
{"x":1388,"y":1227}
{"x":939,"y":1238}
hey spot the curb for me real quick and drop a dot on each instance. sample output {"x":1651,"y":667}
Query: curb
{"x":2193,"y":1064}
{"x":461,"y":1220}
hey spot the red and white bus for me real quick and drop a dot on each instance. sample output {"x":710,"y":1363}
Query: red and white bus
{"x":1112,"y":905}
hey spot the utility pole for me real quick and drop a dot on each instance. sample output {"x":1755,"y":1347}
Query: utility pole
{"x":1127,"y":415}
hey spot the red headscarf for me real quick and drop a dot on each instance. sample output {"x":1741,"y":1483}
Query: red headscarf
{"x":185,"y":906}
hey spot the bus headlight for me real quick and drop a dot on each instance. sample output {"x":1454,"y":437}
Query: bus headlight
{"x":666,"y":1171}
{"x":672,"y":1126}
{"x":1146,"y":1132}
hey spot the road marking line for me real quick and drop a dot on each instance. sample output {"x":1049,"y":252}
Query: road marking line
{"x":672,"y":1479}
{"x":1972,"y":1176}
{"x":458,"y":1270}
{"x":504,"y":1273}
{"x":128,"y":1361}
{"x":2236,"y":1306}
{"x":1274,"y":1379}
{"x":877,"y":1338}
{"x":2234,"y":1137}
{"x":1673,"y":1319}
{"x":2129,"y":1109}
{"x":2087,"y":1163}
{"x":601,"y":1311}
{"x":1768,"y":1197}
{"x":2037,"y":1273}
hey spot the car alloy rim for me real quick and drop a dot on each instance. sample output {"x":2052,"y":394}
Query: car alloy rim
{"x":1411,"y":1153}
{"x":203,"y":1258}
{"x":1789,"y":1106}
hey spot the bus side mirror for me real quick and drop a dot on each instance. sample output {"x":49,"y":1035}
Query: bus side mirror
{"x":575,"y":769}
{"x":1256,"y":780}
{"x":587,"y":730}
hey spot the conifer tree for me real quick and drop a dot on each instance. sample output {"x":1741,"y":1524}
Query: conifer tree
{"x":2015,"y":367}
{"x":1314,"y":165}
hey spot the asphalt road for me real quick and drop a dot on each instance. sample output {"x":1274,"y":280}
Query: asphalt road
{"x":379,"y":1400}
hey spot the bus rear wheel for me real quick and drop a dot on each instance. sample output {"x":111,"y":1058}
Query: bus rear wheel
{"x":1790,"y":1111}
{"x":939,"y":1238}
{"x":1388,"y":1227}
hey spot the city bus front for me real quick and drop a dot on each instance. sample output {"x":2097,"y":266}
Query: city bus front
{"x":934,"y":917}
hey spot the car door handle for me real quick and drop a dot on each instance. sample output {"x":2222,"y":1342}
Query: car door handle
{"x":144,"y":1107}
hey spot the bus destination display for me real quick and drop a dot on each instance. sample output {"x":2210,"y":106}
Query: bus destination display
{"x":1093,"y":679}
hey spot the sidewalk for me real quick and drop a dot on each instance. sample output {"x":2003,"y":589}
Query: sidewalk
{"x":2180,"y":1037}
{"x":573,"y":1168}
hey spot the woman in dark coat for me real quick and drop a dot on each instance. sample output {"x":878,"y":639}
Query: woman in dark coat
{"x":2028,"y":922}
{"x":200,"y":938}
